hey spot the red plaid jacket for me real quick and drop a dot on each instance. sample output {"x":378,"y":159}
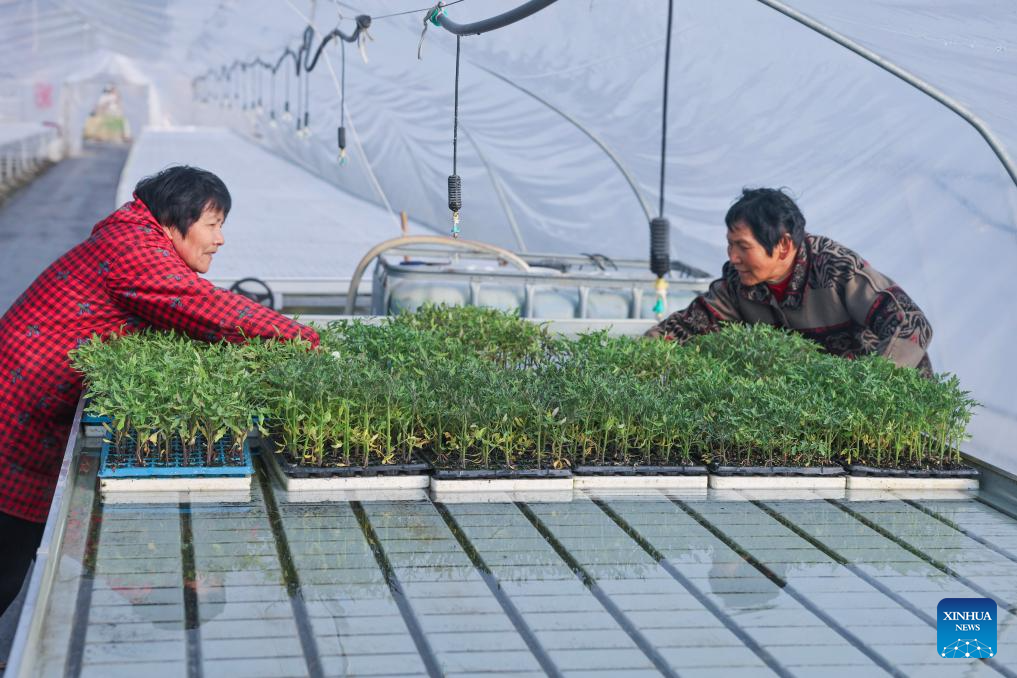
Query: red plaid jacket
{"x":126,"y":276}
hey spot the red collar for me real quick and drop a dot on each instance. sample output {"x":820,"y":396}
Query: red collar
{"x":779,"y":289}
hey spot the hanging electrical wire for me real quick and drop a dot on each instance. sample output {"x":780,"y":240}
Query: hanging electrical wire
{"x":299,"y":117}
{"x":341,"y":130}
{"x":439,"y":17}
{"x":660,"y":228}
{"x":286,"y":115}
{"x":303,"y":64}
{"x":306,"y":131}
{"x":272,"y":99}
{"x":455,"y":185}
{"x":245,"y":88}
{"x":436,"y":15}
{"x":261,"y":84}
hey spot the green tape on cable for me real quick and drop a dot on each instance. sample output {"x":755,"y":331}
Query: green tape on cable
{"x":435,"y":13}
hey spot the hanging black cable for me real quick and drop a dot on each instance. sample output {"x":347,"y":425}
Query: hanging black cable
{"x":272,"y":99}
{"x":660,"y":228}
{"x":341,"y":132}
{"x":455,"y":187}
{"x":286,"y":106}
{"x":245,"y":88}
{"x":363,"y":23}
{"x":307,"y":103}
{"x":303,"y":63}
{"x":298,"y":114}
{"x":261,"y":89}
{"x":438,"y":17}
{"x":663,"y":122}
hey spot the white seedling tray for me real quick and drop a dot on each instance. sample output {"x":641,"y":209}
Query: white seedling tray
{"x":170,"y":497}
{"x":162,"y":486}
{"x":777,"y":482}
{"x":347,"y":483}
{"x":637,"y":482}
{"x":334,"y":495}
{"x":439,"y":487}
{"x":483,"y":497}
{"x":877,"y":483}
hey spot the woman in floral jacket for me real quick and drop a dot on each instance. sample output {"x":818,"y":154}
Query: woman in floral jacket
{"x":778,"y":274}
{"x":139,"y":268}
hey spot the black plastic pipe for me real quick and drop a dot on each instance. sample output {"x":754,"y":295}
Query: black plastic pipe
{"x":477,"y":27}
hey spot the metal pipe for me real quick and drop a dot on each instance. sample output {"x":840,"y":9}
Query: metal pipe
{"x":477,"y":27}
{"x":358,"y":273}
{"x":906,"y":76}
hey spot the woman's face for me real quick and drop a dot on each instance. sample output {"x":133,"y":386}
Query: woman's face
{"x":203,"y":240}
{"x":750,"y":259}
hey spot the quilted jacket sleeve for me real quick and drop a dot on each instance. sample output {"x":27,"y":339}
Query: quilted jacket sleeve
{"x":702,"y":316}
{"x":155,"y":284}
{"x":894,"y":325}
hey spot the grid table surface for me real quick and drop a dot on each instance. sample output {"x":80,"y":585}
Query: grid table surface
{"x":723,"y":583}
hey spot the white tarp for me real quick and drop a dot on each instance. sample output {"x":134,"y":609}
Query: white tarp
{"x":284,"y":224}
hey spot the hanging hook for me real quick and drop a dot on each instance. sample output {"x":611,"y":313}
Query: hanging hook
{"x":363,"y":23}
{"x":430,"y":17}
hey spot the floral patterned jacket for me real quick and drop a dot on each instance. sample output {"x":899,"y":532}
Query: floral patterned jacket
{"x":124,"y":277}
{"x":834,"y":297}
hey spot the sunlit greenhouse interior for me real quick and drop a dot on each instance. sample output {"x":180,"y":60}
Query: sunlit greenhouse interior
{"x":508,"y":337}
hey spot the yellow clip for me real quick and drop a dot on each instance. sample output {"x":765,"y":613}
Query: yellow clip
{"x":660,"y":308}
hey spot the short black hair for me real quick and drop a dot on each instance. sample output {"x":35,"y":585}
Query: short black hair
{"x":178,"y":195}
{"x":770,"y":213}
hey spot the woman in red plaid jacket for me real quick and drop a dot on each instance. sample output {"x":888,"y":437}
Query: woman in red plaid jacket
{"x":139,"y":268}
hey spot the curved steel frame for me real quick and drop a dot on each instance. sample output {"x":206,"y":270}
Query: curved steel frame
{"x":904,"y":75}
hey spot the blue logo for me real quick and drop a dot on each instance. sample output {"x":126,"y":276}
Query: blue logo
{"x":966,"y":628}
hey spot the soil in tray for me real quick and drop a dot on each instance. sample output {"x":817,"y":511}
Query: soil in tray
{"x":784,"y":471}
{"x":224,"y":455}
{"x":756,"y":463}
{"x":640,"y":470}
{"x":335,"y":467}
{"x":638,"y":463}
{"x":941,"y":471}
{"x":927,"y":467}
{"x":526,"y":466}
{"x":335,"y":464}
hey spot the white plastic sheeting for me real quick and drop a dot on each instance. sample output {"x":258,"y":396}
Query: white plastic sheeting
{"x":284,"y":223}
{"x":756,"y":100}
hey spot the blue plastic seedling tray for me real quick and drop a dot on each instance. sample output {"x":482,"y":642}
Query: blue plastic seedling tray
{"x":115,"y":464}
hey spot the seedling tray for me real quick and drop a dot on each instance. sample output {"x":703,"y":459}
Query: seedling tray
{"x":640,"y":470}
{"x":861,"y":477}
{"x":297,"y":477}
{"x":456,"y":481}
{"x":123,"y":464}
{"x":417,"y":467}
{"x":872,"y":471}
{"x":776,"y":477}
{"x":639,"y":477}
{"x":499,"y":474}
